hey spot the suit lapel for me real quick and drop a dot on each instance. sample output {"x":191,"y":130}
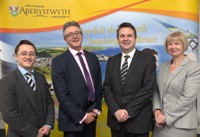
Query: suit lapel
{"x":132,"y":66}
{"x":38,"y":87}
{"x":90,"y":65}
{"x":117,"y":64}
{"x":24,"y":87}
{"x":162,"y":78}
{"x":175,"y":73}
{"x":74,"y":64}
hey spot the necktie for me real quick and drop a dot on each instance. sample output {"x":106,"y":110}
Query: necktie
{"x":30,"y":81}
{"x":124,"y":68}
{"x":88,"y":80}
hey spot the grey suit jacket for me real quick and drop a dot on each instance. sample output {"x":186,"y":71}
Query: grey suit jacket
{"x":177,"y":93}
{"x":17,"y":105}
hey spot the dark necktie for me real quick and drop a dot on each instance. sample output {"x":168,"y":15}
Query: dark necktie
{"x":30,"y":81}
{"x":88,"y":80}
{"x":124,"y":69}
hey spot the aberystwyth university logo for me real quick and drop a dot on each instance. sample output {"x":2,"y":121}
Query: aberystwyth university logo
{"x":13,"y":10}
{"x":39,"y":11}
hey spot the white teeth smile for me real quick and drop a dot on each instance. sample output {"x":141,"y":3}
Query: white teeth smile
{"x":76,"y":41}
{"x":126,"y":42}
{"x":28,"y":61}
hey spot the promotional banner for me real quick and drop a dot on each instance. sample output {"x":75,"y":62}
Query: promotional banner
{"x":41,"y":22}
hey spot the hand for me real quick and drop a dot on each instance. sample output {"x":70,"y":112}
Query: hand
{"x":159,"y":125}
{"x":121,"y":115}
{"x":45,"y":130}
{"x":90,"y":117}
{"x":39,"y":134}
{"x":160,"y":118}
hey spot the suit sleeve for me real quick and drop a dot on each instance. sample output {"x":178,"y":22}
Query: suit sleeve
{"x":50,"y":111}
{"x":107,"y":88}
{"x":156,"y":100}
{"x":98,"y":84}
{"x":156,"y":96}
{"x":10,"y":112}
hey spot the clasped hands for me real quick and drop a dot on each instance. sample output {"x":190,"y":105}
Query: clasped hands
{"x":91,"y":116}
{"x":121,"y":115}
{"x":45,"y":130}
{"x":159,"y":118}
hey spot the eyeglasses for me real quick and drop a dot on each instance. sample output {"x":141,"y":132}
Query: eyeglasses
{"x":71,"y":34}
{"x":30,"y":54}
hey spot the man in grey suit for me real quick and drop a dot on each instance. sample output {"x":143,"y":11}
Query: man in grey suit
{"x":129,"y":85}
{"x":27,"y":106}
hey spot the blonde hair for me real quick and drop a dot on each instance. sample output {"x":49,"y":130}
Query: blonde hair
{"x":177,"y":36}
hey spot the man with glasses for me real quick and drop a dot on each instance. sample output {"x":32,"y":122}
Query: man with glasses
{"x":26,"y":103}
{"x":76,"y":77}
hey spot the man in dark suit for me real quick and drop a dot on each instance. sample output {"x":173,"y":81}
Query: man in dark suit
{"x":76,"y":77}
{"x":129,"y":84}
{"x":27,"y":109}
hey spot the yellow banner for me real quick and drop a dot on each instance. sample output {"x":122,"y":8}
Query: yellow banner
{"x":45,"y":15}
{"x":41,"y":22}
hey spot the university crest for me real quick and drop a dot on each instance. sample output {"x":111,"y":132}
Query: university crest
{"x":13,"y":10}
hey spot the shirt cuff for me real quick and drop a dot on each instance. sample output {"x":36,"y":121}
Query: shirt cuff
{"x":48,"y":126}
{"x":80,"y":122}
{"x":96,"y":111}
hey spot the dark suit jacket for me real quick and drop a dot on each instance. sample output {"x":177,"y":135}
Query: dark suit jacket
{"x":18,"y":107}
{"x":135,"y":95}
{"x":71,"y":90}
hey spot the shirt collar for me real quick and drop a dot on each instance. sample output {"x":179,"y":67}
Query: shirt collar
{"x":74,"y":52}
{"x":24,"y":71}
{"x":131,"y":54}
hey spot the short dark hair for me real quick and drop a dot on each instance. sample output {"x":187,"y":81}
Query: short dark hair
{"x":24,"y":42}
{"x":70,"y":23}
{"x":126,"y":25}
{"x":150,"y":51}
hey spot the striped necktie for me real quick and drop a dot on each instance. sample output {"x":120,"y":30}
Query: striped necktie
{"x":30,"y":81}
{"x":124,"y":69}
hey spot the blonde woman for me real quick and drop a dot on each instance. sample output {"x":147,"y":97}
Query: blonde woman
{"x":178,"y":85}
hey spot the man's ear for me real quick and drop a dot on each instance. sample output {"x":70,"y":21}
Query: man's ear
{"x":16,"y":57}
